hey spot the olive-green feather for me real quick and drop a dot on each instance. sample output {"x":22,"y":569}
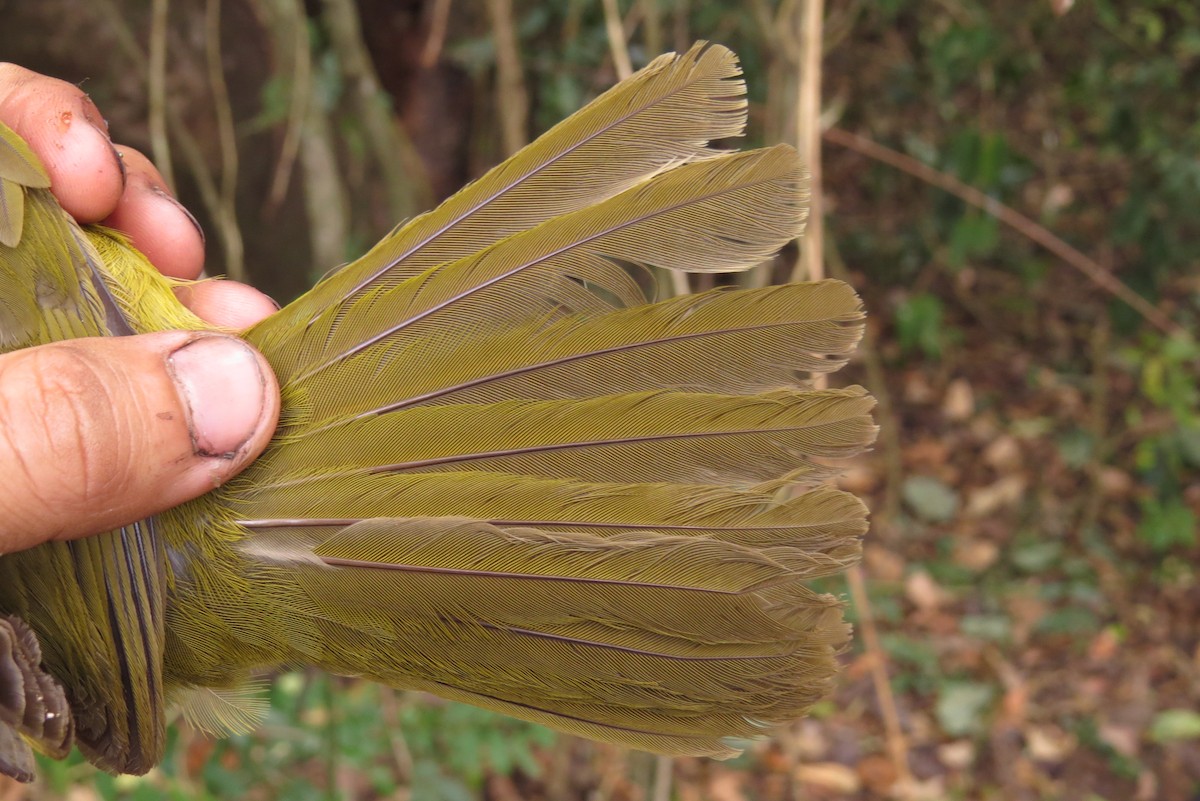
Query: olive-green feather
{"x":502,"y":473}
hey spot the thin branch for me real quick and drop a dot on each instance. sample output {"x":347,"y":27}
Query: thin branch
{"x":309,"y":141}
{"x":652,"y":30}
{"x":897,"y":744}
{"x":664,"y":769}
{"x":617,"y":45}
{"x":439,"y":21}
{"x":193,"y":156}
{"x":885,"y":409}
{"x":156,"y":91}
{"x":680,"y":30}
{"x":811,"y":264}
{"x":1010,"y":217}
{"x":235,"y":258}
{"x":619,"y":48}
{"x":301,"y":95}
{"x":392,"y":706}
{"x":512,"y":99}
{"x":390,"y":146}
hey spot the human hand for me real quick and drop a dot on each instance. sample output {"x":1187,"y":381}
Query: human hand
{"x":100,"y":432}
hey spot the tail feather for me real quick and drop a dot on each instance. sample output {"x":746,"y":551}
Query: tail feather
{"x":503,"y":476}
{"x":663,"y":116}
{"x":821,"y":519}
{"x":781,"y":334}
{"x":636,"y":633}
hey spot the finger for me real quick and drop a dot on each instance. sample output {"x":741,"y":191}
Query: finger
{"x":156,"y":223}
{"x":100,"y":432}
{"x":226,"y":303}
{"x":67,"y":132}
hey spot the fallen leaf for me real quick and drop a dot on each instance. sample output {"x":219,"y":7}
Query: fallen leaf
{"x":811,"y":740}
{"x":916,"y":388}
{"x":1059,"y":194}
{"x":1049,"y":743}
{"x":726,"y":786}
{"x":957,"y":755}
{"x":928,"y":452}
{"x":976,"y":555}
{"x":829,"y":775}
{"x":931,"y":789}
{"x":1115,"y":482}
{"x":986,"y":501}
{"x":923,"y":592}
{"x":883,"y":564}
{"x":959,"y":402}
{"x":1026,"y":612}
{"x":1122,"y":739}
{"x":1104,"y":645}
{"x":1003,"y":453}
{"x":877,"y":773}
{"x":859,"y":478}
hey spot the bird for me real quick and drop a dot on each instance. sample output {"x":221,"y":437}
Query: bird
{"x":505,"y":473}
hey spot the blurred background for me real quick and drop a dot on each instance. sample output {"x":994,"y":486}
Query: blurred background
{"x":1014,"y":189}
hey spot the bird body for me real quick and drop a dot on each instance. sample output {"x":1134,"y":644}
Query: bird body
{"x":502,"y":475}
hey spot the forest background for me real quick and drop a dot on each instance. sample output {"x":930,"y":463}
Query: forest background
{"x":1013,"y":188}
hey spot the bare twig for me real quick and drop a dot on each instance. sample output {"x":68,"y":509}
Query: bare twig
{"x":680,"y":30}
{"x":811,"y":264}
{"x":1010,"y":217}
{"x":439,"y":21}
{"x":235,"y":260}
{"x":617,"y":45}
{"x":885,"y":414}
{"x":619,"y":48}
{"x":326,"y":198}
{"x":390,"y":146}
{"x":664,"y":769}
{"x":512,"y":99}
{"x":301,"y":94}
{"x":776,"y":29}
{"x":309,"y":140}
{"x":189,"y":148}
{"x":889,"y":428}
{"x":393,"y":704}
{"x":652,"y":30}
{"x":896,"y":742}
{"x":156,"y":91}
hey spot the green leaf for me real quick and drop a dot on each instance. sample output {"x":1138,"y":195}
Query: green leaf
{"x":930,"y":499}
{"x":1175,"y":724}
{"x":996,"y":628}
{"x":1036,"y":556}
{"x":1167,"y":523}
{"x":1072,"y":620}
{"x":919,"y":325}
{"x":962,"y":707}
{"x":1076,"y":447}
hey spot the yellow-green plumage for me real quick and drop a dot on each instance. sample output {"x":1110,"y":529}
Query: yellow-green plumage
{"x":501,"y":475}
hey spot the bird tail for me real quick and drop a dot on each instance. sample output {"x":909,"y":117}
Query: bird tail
{"x":504,"y":476}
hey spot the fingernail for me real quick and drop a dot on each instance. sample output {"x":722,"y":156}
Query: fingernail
{"x":93,"y":117}
{"x":165,"y":195}
{"x":121,"y":164}
{"x":223,"y":390}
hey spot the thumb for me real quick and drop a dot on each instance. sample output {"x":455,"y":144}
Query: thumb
{"x":96,"y":433}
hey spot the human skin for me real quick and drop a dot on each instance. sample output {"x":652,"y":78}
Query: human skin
{"x":96,"y":433}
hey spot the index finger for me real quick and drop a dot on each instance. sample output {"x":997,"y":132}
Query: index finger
{"x":68,"y":133}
